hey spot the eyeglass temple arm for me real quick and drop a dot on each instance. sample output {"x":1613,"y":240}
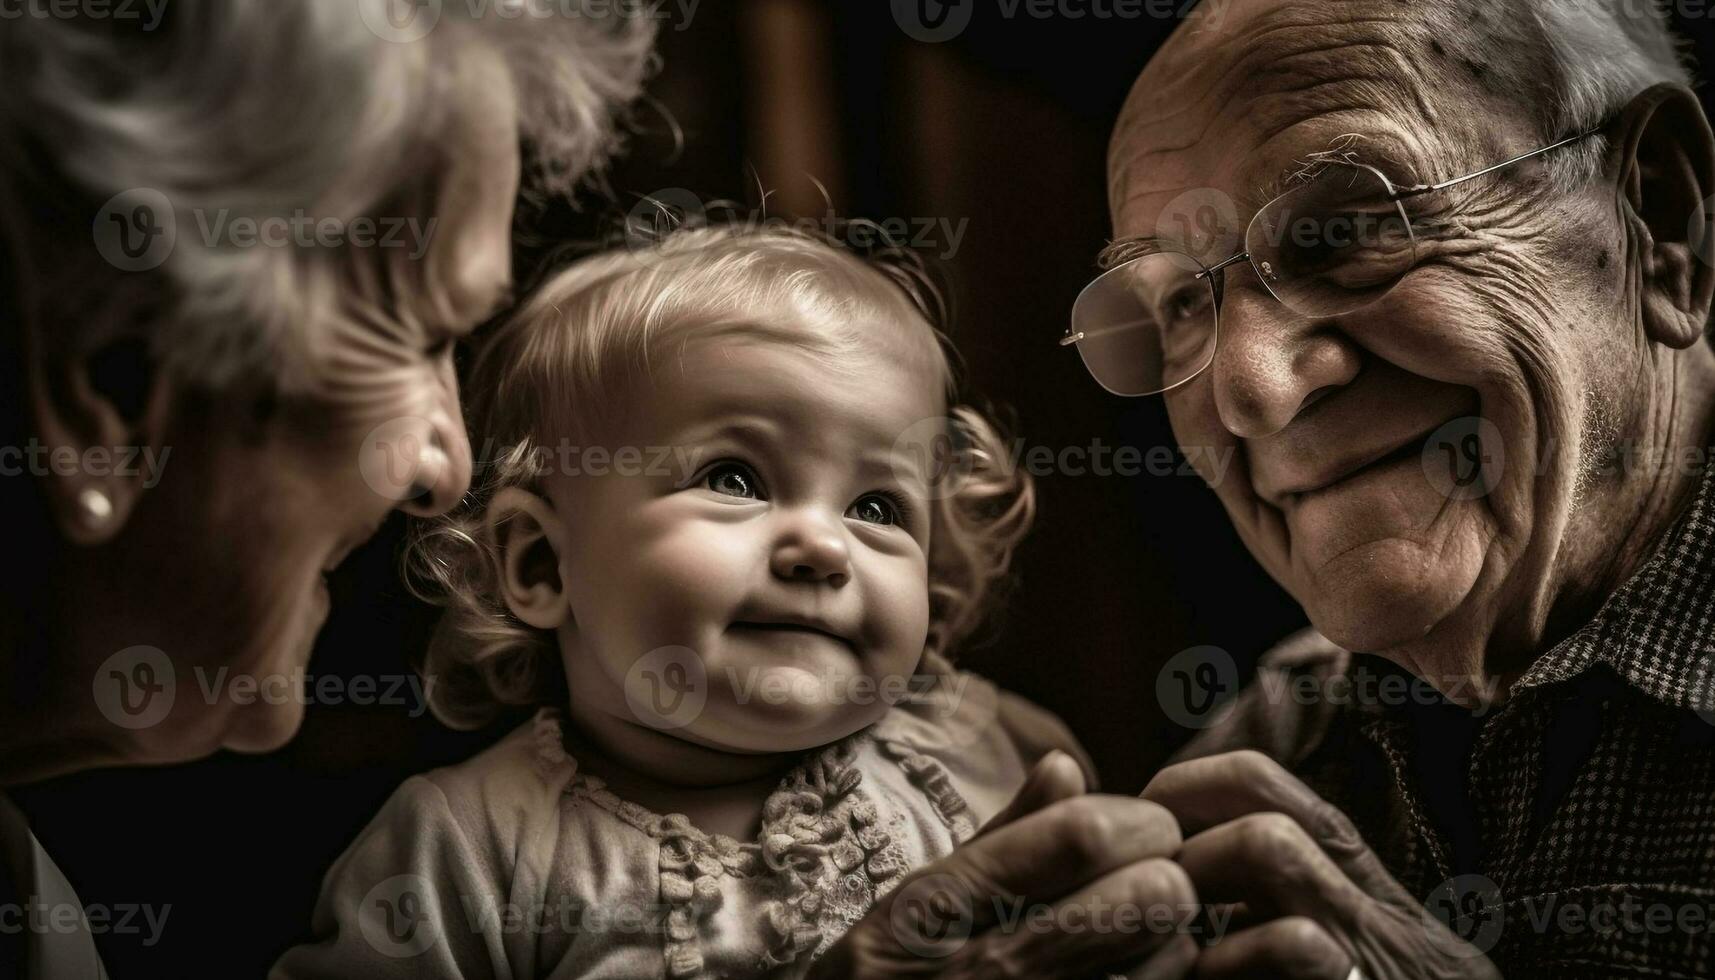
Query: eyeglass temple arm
{"x":1426,"y":188}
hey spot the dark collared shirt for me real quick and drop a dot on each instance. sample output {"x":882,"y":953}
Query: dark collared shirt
{"x":1569,"y":832}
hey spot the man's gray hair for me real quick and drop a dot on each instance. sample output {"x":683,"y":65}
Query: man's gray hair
{"x":259,"y":109}
{"x":1577,"y":61}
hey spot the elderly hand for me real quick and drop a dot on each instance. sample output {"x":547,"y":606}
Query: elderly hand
{"x":1056,"y":855}
{"x":1259,"y":836}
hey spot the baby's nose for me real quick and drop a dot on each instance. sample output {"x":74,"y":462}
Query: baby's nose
{"x":811,"y":549}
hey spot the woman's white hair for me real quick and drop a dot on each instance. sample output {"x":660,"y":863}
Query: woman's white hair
{"x":271,"y":108}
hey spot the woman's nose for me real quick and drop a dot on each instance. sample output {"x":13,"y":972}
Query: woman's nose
{"x":443,"y":471}
{"x":812,"y":548}
{"x":443,"y":468}
{"x":1271,"y":363}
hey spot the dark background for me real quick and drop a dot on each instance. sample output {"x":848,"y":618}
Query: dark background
{"x":1005,"y":126}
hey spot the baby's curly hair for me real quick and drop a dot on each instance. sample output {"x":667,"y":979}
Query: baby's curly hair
{"x":569,"y":354}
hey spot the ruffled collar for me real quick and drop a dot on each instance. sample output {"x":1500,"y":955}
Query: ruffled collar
{"x":821,"y":844}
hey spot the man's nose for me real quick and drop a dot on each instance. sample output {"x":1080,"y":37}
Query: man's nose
{"x":444,"y":465}
{"x":1271,"y":363}
{"x":812,"y":548}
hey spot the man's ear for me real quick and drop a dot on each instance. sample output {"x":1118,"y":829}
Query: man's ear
{"x":527,"y":534}
{"x":101,"y":418}
{"x":1666,"y":173}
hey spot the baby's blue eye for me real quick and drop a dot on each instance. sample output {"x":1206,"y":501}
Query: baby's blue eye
{"x":875,"y":509}
{"x":731,"y":479}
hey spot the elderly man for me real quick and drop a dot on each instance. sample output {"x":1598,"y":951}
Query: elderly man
{"x":1454,"y":254}
{"x":1472,"y":396}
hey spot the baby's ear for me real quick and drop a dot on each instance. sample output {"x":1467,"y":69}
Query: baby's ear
{"x":526,"y":534}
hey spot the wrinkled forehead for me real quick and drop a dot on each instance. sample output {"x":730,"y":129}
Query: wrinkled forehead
{"x":1250,"y":92}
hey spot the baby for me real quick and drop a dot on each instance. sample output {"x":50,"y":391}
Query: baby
{"x":732,"y":534}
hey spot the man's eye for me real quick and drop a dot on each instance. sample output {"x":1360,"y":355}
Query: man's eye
{"x":732,"y":480}
{"x":875,"y":509}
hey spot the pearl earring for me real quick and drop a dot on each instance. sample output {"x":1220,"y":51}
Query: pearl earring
{"x":97,"y":508}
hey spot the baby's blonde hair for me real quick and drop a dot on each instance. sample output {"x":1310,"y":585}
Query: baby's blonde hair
{"x":569,"y":355}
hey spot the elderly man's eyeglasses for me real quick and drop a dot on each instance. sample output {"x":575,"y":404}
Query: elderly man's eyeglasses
{"x":1335,"y":243}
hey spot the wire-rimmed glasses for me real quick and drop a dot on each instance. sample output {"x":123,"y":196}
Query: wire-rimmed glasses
{"x":1333,"y":244}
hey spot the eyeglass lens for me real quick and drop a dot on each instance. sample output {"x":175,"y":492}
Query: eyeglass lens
{"x":1334,"y":244}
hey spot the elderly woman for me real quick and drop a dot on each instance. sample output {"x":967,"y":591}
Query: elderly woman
{"x":1462,"y":288}
{"x":214,"y":305}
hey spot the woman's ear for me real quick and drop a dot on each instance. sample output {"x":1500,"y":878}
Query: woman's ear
{"x":527,"y":534}
{"x":100,"y":417}
{"x":1667,"y":177}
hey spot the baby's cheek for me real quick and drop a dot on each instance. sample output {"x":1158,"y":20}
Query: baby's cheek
{"x":698,"y":571}
{"x":897,"y":613}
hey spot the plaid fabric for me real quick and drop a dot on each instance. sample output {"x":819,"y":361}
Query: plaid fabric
{"x":1592,"y":789}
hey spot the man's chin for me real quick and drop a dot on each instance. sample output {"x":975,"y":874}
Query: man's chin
{"x":1385,"y":601}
